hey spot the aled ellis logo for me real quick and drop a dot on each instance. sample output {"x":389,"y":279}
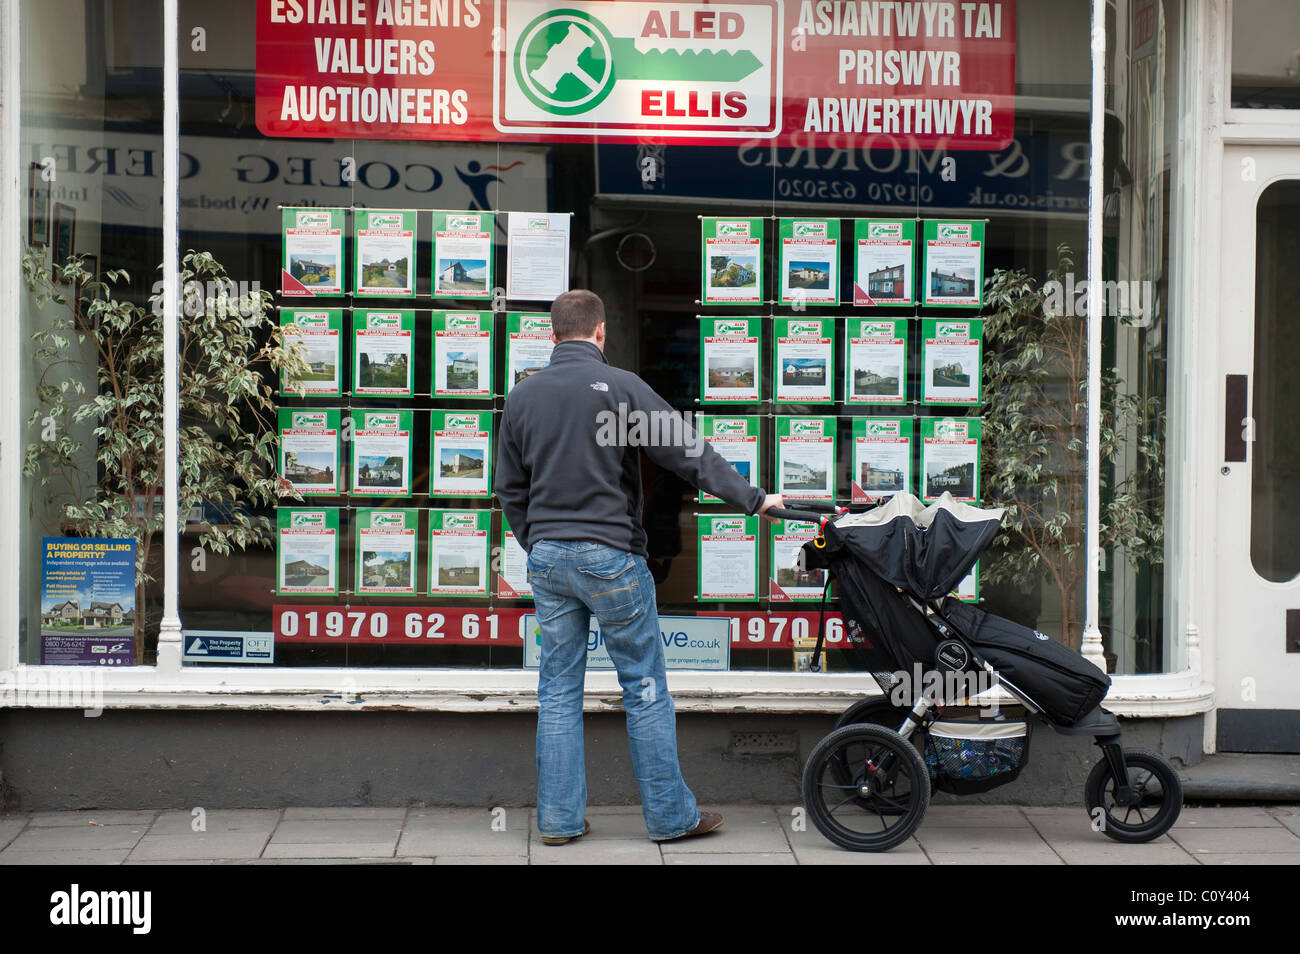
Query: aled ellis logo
{"x":77,"y":907}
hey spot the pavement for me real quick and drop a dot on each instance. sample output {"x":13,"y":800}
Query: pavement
{"x":753,"y":834}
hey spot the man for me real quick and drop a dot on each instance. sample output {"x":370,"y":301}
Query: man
{"x":570,"y":487}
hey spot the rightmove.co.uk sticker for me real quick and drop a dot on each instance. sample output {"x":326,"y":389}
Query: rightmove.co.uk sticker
{"x":639,"y":68}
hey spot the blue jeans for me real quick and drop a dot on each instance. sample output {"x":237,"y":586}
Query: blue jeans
{"x":573,"y":580}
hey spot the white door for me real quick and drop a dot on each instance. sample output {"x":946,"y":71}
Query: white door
{"x":1258,"y":554}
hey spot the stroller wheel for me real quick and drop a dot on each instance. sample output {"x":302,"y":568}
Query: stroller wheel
{"x":866,"y":787}
{"x":1157,"y":801}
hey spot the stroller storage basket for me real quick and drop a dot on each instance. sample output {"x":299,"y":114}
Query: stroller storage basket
{"x":965,"y":758}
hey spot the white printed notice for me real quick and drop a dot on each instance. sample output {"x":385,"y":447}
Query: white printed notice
{"x":512,"y":581}
{"x":461,"y":444}
{"x":537,"y":255}
{"x":805,"y":457}
{"x":462,"y":254}
{"x":728,"y":564}
{"x":385,"y":252}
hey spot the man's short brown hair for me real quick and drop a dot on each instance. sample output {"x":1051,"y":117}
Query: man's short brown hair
{"x":575,"y":314}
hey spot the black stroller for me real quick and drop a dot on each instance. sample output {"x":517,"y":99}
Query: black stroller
{"x":868,"y":783}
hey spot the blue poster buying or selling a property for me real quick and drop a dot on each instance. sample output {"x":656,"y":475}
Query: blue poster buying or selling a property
{"x":87,"y":601}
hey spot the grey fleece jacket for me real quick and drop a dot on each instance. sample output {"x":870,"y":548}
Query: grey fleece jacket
{"x":568,"y":455}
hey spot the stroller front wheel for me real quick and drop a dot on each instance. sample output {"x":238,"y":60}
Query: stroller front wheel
{"x":866,"y":787}
{"x":1156,"y":801}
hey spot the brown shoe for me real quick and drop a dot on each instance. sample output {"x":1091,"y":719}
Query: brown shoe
{"x":565,"y":839}
{"x":708,"y":822}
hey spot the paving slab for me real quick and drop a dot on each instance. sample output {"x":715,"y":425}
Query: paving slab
{"x":110,"y":817}
{"x":468,"y":819}
{"x":11,"y":828}
{"x":1287,"y":816}
{"x":993,"y":858}
{"x":220,"y":820}
{"x":1100,"y":850}
{"x":975,"y":816}
{"x":1289,"y":859}
{"x":438,"y":842}
{"x":596,"y":852}
{"x":345,"y":814}
{"x":72,"y":856}
{"x":336,"y":832}
{"x":1236,"y":840}
{"x":481,"y":860}
{"x":730,"y":858}
{"x":324,"y":849}
{"x":200,"y":846}
{"x":743,"y":829}
{"x":72,"y":837}
{"x":1228,"y":816}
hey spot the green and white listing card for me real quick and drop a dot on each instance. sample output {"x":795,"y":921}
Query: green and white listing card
{"x":383,"y":349}
{"x":882,"y":457}
{"x":317,"y":337}
{"x":310,"y":442}
{"x":875,"y":361}
{"x":307,"y":551}
{"x":884,"y":262}
{"x":953,"y":276}
{"x":462,"y":254}
{"x":386,"y":548}
{"x":381,"y":453}
{"x":311,"y":261}
{"x":462,"y":354}
{"x":461,"y":453}
{"x":512,"y":579}
{"x":528,"y":345}
{"x":385,"y":252}
{"x":737,"y":440}
{"x":732,"y":265}
{"x":950,"y":361}
{"x":458,"y":552}
{"x":968,"y":590}
{"x":950,"y":458}
{"x":805,"y":457}
{"x":790,"y":582}
{"x":728,"y":557}
{"x":729,"y":351}
{"x":804,"y":358}
{"x":810,"y":261}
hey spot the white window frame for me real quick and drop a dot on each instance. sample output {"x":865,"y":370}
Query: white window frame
{"x":170,"y":685}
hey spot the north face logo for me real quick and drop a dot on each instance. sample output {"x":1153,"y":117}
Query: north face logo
{"x":599,"y":386}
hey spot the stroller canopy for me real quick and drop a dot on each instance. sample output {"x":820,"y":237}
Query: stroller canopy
{"x":923,"y":550}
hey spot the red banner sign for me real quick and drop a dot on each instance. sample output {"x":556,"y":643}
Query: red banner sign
{"x":819,"y":72}
{"x":503,"y":626}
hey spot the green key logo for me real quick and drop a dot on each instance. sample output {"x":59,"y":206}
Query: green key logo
{"x":564,"y":62}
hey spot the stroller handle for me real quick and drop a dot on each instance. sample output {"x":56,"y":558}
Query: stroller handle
{"x":809,"y":515}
